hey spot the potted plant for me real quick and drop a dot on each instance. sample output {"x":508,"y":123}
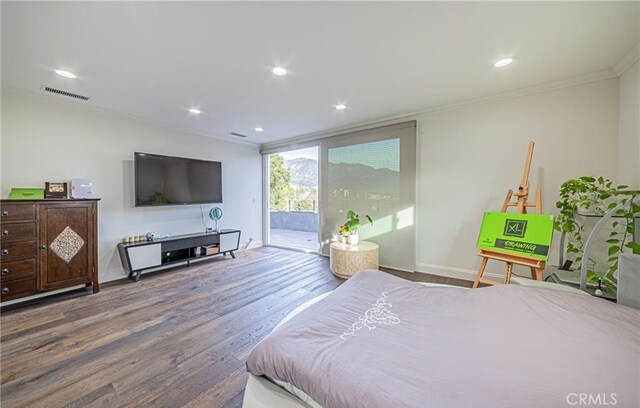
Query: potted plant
{"x":350,"y":228}
{"x":588,"y":195}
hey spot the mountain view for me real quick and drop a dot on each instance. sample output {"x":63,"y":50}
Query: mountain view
{"x":304,"y":172}
{"x":294,"y":187}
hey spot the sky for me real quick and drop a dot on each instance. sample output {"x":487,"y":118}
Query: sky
{"x":308,"y":153}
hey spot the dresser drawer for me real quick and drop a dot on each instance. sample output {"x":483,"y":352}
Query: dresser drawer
{"x":18,"y":231}
{"x":17,"y":212}
{"x":17,"y":250}
{"x":17,"y":288}
{"x":17,"y":269}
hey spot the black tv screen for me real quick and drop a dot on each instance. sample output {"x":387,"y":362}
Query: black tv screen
{"x":167,"y":180}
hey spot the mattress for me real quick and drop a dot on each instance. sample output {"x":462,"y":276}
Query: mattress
{"x":357,"y":348}
{"x":260,"y":391}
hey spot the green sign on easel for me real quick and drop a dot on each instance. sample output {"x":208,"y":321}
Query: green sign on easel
{"x":526,"y":235}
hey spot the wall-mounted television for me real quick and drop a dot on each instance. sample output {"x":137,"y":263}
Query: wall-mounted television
{"x":167,"y":180}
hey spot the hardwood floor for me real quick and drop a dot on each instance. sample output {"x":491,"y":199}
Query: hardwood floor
{"x":176,"y":338}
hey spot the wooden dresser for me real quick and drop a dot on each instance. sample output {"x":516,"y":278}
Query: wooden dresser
{"x":47,"y":245}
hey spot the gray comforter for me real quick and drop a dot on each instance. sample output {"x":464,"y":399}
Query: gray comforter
{"x":381,"y":341}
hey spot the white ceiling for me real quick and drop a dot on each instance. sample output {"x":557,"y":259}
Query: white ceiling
{"x":155,"y":60}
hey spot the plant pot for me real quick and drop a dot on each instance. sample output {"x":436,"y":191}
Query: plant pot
{"x":344,"y":239}
{"x":353,"y":239}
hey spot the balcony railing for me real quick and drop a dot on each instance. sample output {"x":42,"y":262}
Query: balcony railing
{"x":301,"y":205}
{"x":294,"y":220}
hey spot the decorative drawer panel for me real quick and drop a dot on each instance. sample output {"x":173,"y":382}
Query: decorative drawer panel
{"x":17,"y":250}
{"x":17,"y":288}
{"x":19,"y":231}
{"x":17,"y":212}
{"x":17,"y":269}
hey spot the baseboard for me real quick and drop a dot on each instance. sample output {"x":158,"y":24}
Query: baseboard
{"x":453,"y":272}
{"x":397,"y":269}
{"x":113,"y":275}
{"x":253,"y":245}
{"x":44,"y":294}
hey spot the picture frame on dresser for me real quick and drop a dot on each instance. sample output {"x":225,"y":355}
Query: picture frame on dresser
{"x":55,"y":190}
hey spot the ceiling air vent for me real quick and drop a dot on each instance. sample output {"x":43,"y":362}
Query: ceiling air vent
{"x":63,"y":93}
{"x":237,"y":134}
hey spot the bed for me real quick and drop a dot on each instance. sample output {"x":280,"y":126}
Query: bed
{"x":381,"y":341}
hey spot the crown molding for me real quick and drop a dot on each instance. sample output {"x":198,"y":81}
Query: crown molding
{"x":298,"y":142}
{"x":498,"y":97}
{"x":628,"y":60}
{"x":83,"y":106}
{"x":526,"y":91}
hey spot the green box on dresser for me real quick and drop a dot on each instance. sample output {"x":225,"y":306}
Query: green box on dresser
{"x":47,"y":244}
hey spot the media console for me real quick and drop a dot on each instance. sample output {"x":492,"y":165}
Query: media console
{"x":143,"y":255}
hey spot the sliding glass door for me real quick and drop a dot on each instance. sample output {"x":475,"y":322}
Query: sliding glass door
{"x":293,"y":199}
{"x":372,"y":173}
{"x":309,"y":190}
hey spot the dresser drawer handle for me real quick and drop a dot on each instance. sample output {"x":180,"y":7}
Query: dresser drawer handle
{"x":5,"y":291}
{"x":5,"y":233}
{"x":5,"y":252}
{"x":5,"y":271}
{"x":5,"y":214}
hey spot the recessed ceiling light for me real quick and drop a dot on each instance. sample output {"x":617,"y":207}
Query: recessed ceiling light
{"x":259,"y":129}
{"x":279,"y":71}
{"x":503,"y":62}
{"x":194,"y":110}
{"x":65,"y":74}
{"x":341,"y":107}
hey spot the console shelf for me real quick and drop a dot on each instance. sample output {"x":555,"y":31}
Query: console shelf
{"x":140,"y":256}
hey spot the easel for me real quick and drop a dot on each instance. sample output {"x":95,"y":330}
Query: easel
{"x":521,"y":204}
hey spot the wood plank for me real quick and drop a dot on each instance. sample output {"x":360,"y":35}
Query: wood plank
{"x":176,"y":338}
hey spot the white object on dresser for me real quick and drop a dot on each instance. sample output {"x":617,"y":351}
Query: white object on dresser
{"x":81,"y":188}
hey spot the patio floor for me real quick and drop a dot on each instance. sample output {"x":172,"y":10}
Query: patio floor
{"x":293,"y":238}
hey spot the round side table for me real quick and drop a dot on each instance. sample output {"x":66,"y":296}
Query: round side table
{"x":345,"y":260}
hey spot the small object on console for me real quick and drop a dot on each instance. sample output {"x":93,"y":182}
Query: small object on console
{"x":210,"y":249}
{"x":215,"y":214}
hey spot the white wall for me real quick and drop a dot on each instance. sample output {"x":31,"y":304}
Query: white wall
{"x":629,"y":127}
{"x":469,"y":158}
{"x":48,"y":141}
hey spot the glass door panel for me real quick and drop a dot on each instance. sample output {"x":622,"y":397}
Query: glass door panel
{"x":293,"y":199}
{"x":372,"y":174}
